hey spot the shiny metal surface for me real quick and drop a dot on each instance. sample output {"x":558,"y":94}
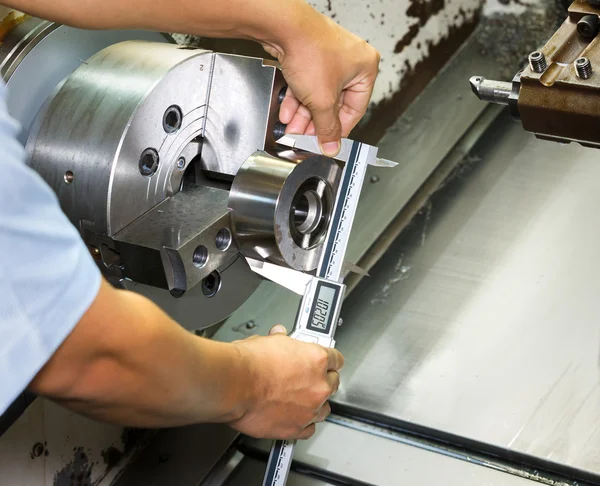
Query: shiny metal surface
{"x":122,"y":143}
{"x":370,"y":459}
{"x":242,"y":111}
{"x":60,"y":50}
{"x":282,"y":203}
{"x":161,"y":247}
{"x":482,"y":319}
{"x":310,"y":143}
{"x":20,"y":42}
{"x":105,"y":116}
{"x":499,"y":92}
{"x":489,"y":90}
{"x":420,"y":140}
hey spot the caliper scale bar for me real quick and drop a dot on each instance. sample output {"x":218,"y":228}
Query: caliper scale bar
{"x":319,"y":310}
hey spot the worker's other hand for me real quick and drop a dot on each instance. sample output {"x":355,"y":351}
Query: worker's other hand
{"x":292,"y":382}
{"x":330,"y":73}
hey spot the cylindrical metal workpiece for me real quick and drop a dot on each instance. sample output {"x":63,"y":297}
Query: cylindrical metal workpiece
{"x":537,"y":62}
{"x":282,"y":203}
{"x":583,"y":67}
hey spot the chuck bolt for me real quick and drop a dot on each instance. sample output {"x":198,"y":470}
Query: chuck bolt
{"x":583,"y":66}
{"x":537,"y":61}
{"x":588,"y":26}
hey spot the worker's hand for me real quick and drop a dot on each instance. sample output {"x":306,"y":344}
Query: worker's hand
{"x":292,"y":382}
{"x":330,"y":73}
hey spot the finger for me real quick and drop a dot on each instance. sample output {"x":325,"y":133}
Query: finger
{"x":349,"y":118}
{"x":355,"y":103}
{"x":300,"y":121}
{"x":335,"y":360}
{"x":323,"y":413}
{"x":327,"y":126}
{"x":333,"y":380}
{"x":278,"y":329}
{"x":311,"y":130}
{"x":289,"y":107}
{"x":307,"y":433}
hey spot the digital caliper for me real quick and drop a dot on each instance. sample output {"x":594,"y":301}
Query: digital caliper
{"x":322,"y":295}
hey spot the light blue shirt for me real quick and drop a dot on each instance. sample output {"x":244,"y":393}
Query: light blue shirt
{"x":48,"y":279}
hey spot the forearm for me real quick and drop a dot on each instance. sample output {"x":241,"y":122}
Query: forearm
{"x":129,"y":363}
{"x":271,"y":22}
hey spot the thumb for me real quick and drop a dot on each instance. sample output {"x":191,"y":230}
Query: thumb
{"x":328,"y":129}
{"x":278,"y":329}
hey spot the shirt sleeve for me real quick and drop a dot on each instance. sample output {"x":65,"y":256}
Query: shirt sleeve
{"x":48,"y":279}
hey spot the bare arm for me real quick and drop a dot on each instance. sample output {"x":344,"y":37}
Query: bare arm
{"x":267,"y":21}
{"x":127,"y":362}
{"x":330,"y":71}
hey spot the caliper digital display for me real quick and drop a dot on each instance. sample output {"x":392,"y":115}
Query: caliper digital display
{"x":322,"y":312}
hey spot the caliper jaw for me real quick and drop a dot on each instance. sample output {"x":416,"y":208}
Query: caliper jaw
{"x":310,"y":143}
{"x":315,"y":331}
{"x":286,"y":277}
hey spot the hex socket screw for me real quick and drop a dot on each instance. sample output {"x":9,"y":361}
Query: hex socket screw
{"x":583,"y":66}
{"x":537,"y":62}
{"x":587,"y":27}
